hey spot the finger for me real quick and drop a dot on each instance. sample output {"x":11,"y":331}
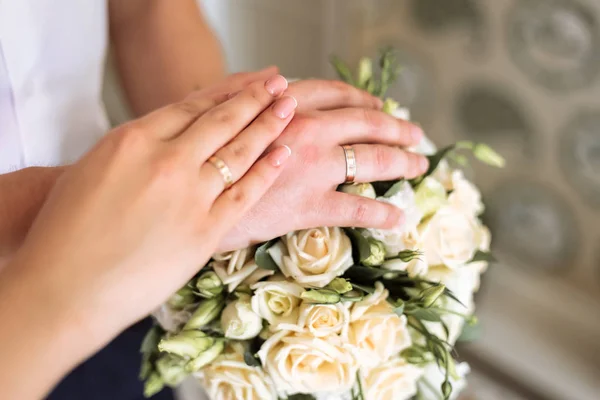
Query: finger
{"x":361,"y":125}
{"x":220,"y":124}
{"x":345,"y":210}
{"x":250,"y":144}
{"x":378,"y":162}
{"x":232,"y":204}
{"x":171,"y":120}
{"x":328,"y":95}
{"x":240,"y":80}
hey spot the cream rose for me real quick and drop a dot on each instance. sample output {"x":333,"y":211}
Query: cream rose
{"x":277,"y":302}
{"x":450,"y":237}
{"x":321,"y":320}
{"x":234,"y":267}
{"x":239,"y":321}
{"x":465,"y":196}
{"x":302,"y":363}
{"x":397,"y":239}
{"x":229,"y":377}
{"x":375,"y":331}
{"x":392,"y":380}
{"x":313,"y":257}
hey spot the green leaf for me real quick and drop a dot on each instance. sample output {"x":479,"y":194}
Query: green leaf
{"x":470,"y":333}
{"x":263,"y":259}
{"x":362,"y":274}
{"x":251,"y":360}
{"x":365,"y":289}
{"x":395,"y":189}
{"x":425,"y":315}
{"x":483,"y":256}
{"x":359,"y":243}
{"x":342,"y":70}
{"x":150,"y":342}
{"x":451,"y":295}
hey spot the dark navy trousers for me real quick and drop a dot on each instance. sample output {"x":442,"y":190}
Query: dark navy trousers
{"x":111,"y":374}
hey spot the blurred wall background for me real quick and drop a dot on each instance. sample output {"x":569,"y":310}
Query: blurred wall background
{"x":521,"y":75}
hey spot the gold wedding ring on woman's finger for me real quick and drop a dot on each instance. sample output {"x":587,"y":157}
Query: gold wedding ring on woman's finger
{"x":350,"y":163}
{"x":223,"y":170}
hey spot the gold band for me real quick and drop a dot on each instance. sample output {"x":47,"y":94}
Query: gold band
{"x":223,"y":170}
{"x":350,"y":163}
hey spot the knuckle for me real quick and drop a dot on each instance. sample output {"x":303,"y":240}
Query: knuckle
{"x":383,"y":158}
{"x":302,"y":123}
{"x":188,"y":107}
{"x":221,"y":115}
{"x":130,"y":138}
{"x":237,"y":196}
{"x":361,"y":214}
{"x":237,"y":149}
{"x":373,"y":119}
{"x":258,"y":94}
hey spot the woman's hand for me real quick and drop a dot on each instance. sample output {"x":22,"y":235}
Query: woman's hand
{"x":131,"y":222}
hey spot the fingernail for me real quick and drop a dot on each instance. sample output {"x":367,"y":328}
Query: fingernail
{"x":416,"y":133}
{"x":279,"y":156}
{"x":423,"y":164}
{"x":276,"y":85}
{"x":232,"y":94}
{"x":285,"y":106}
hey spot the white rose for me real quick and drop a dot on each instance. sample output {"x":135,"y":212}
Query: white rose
{"x":430,"y":385}
{"x":398,"y":238}
{"x":302,"y":363}
{"x":229,"y":377}
{"x":450,"y":237}
{"x":394,"y":379}
{"x":234,"y":267}
{"x":239,"y":322}
{"x":465,"y":196}
{"x":321,"y":319}
{"x":313,"y":257}
{"x":277,"y":302}
{"x":375,"y":330}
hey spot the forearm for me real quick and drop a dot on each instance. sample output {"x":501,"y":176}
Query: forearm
{"x":40,"y":342}
{"x":22,"y":194}
{"x":164,"y":50}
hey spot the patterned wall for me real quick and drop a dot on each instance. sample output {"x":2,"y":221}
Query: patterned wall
{"x":523,"y":76}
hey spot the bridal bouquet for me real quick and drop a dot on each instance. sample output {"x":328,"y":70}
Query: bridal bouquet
{"x":339,"y":313}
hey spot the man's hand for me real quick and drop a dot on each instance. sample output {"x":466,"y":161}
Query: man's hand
{"x":333,"y":114}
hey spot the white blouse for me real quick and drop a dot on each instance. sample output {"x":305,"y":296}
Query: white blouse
{"x":52,"y":56}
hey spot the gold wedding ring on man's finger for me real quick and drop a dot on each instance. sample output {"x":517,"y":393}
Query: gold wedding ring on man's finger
{"x":350,"y":163}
